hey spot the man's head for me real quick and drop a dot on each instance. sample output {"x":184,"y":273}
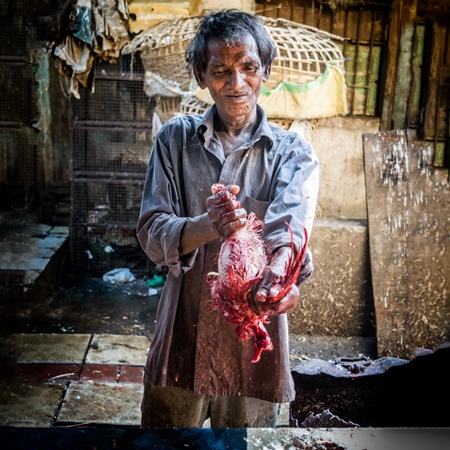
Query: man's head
{"x":227,"y":27}
{"x":231,"y":55}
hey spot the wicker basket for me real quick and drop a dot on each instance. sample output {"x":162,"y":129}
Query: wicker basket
{"x":302,"y":52}
{"x":167,"y":107}
{"x":162,"y":49}
{"x":282,"y":123}
{"x":192,"y":105}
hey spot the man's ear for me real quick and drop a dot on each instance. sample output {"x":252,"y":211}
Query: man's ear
{"x":200,"y":78}
{"x":267,"y":73}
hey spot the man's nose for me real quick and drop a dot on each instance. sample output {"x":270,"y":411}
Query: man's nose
{"x":236,"y":79}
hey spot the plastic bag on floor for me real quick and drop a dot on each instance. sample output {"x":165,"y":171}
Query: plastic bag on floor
{"x":119,"y":276}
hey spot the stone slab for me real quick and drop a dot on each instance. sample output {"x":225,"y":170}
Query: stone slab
{"x":102,"y":403}
{"x":22,"y":242}
{"x":118,"y":349}
{"x":39,"y":263}
{"x":337,"y":142}
{"x":47,"y":348}
{"x":53,"y":242}
{"x":337,"y":300}
{"x":60,"y":230}
{"x":408,"y":202}
{"x":25,"y":404}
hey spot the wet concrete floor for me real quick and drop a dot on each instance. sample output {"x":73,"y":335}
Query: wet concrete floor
{"x":85,"y":305}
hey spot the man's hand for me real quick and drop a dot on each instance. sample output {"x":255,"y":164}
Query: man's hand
{"x":269,"y":287}
{"x":225,"y":211}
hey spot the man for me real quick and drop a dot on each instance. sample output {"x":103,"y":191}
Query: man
{"x":196,"y":367}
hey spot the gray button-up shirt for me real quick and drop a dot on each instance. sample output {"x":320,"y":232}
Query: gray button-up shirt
{"x":278,"y":173}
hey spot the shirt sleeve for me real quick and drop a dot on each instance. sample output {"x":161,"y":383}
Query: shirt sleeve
{"x":295,"y":192}
{"x":161,"y":219}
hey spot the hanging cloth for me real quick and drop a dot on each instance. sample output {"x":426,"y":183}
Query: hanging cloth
{"x":323,"y":97}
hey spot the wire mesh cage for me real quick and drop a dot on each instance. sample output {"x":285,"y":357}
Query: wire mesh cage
{"x":104,"y":215}
{"x":18,"y":82}
{"x":21,"y":169}
{"x":114,"y":100}
{"x":111,"y":144}
{"x":110,"y":151}
{"x":98,"y":250}
{"x":106,"y":203}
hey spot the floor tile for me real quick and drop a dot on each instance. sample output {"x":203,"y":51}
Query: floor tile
{"x":131,"y":374}
{"x":47,"y":372}
{"x":48,"y":348}
{"x":118,"y":349}
{"x":25,"y":404}
{"x":99,"y":372}
{"x":102,"y":403}
{"x":283,"y":417}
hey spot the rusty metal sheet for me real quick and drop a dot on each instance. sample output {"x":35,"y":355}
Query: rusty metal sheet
{"x":408,"y":202}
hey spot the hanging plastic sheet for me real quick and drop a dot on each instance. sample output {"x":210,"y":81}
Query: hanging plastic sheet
{"x":82,"y":21}
{"x":97,"y":28}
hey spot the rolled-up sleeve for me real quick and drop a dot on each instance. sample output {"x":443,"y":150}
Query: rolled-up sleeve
{"x":294,"y":201}
{"x":295,"y":197}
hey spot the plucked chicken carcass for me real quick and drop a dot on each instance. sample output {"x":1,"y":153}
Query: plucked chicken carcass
{"x":240,"y":262}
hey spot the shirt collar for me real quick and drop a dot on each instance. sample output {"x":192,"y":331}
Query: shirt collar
{"x":205,"y":129}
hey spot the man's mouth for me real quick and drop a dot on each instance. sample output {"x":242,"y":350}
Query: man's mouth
{"x":237,"y":96}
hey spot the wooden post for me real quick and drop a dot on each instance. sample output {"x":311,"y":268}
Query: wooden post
{"x":404,"y":64}
{"x":391,"y":65}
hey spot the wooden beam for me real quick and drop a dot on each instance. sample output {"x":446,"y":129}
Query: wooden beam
{"x":390,"y":72}
{"x":404,"y":64}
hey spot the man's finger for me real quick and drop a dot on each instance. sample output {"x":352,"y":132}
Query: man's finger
{"x":233,"y":189}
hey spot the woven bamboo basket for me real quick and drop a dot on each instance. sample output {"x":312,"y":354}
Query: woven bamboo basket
{"x":167,"y":107}
{"x":192,"y":105}
{"x":285,"y":124}
{"x":302,"y":52}
{"x":162,"y":49}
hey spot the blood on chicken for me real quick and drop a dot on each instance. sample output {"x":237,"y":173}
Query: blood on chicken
{"x":240,"y":263}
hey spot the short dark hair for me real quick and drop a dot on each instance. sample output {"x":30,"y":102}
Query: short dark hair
{"x":227,"y":26}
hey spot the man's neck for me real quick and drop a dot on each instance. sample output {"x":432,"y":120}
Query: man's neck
{"x":234,"y":134}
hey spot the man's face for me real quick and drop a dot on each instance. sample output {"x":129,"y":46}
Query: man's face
{"x":234,"y":75}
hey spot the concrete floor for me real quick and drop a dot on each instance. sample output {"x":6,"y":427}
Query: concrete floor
{"x":72,"y":350}
{"x":78,"y":357}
